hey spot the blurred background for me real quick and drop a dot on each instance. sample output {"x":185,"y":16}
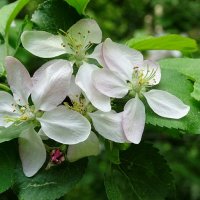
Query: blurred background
{"x":121,"y":21}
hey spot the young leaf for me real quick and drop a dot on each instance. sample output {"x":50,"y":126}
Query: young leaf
{"x":189,"y":67}
{"x":196,"y":92}
{"x":50,"y":184}
{"x":167,"y":42}
{"x":7,"y":166}
{"x":178,"y":85}
{"x":53,"y":15}
{"x":79,"y":5}
{"x":8,"y":13}
{"x":142,"y":175}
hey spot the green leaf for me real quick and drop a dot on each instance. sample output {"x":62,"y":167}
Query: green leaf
{"x":53,"y":15}
{"x":112,"y":152}
{"x":50,"y":184}
{"x":79,"y":5}
{"x":7,"y":166}
{"x":13,"y":131}
{"x":3,"y":3}
{"x":188,"y":67}
{"x":167,"y":42}
{"x":142,"y":175}
{"x":112,"y":190}
{"x":8,"y":13}
{"x":178,"y":85}
{"x":196,"y":92}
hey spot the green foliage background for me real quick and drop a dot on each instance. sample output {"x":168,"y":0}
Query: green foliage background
{"x":121,"y":20}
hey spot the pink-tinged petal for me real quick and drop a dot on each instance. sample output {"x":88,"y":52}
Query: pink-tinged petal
{"x":50,"y":84}
{"x":32,"y":152}
{"x":151,"y":69}
{"x":109,"y":84}
{"x":18,"y":79}
{"x":85,"y":82}
{"x":8,"y":109}
{"x":134,"y":120}
{"x":121,"y":59}
{"x":90,"y":147}
{"x":166,"y":105}
{"x":98,"y":55}
{"x":109,"y":125}
{"x":43,"y":44}
{"x":65,"y":126}
{"x":74,"y":91}
{"x":86,"y":31}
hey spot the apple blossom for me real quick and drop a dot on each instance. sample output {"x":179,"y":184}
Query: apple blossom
{"x":91,"y":146}
{"x":75,"y":42}
{"x":124,"y":73}
{"x":48,"y":88}
{"x":107,"y":124}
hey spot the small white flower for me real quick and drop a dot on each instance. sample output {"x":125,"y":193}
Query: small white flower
{"x":48,"y":88}
{"x":75,"y":42}
{"x":125,"y":72}
{"x":91,"y":146}
{"x":107,"y":124}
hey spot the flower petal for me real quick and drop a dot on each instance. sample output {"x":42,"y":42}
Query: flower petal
{"x":8,"y":108}
{"x":121,"y":59}
{"x":85,"y":82}
{"x":109,"y":84}
{"x":42,"y":135}
{"x":18,"y":79}
{"x":151,"y":68}
{"x":166,"y":105}
{"x":86,"y":32}
{"x":90,"y":147}
{"x":43,"y":44}
{"x":74,"y":91}
{"x":109,"y":125}
{"x":134,"y":120}
{"x":98,"y":54}
{"x":32,"y":151}
{"x":65,"y":126}
{"x":50,"y":84}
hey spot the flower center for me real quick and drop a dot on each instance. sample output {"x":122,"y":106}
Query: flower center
{"x":78,"y":43}
{"x":27,"y":113}
{"x":78,"y":106}
{"x":23,"y":113}
{"x":142,"y":78}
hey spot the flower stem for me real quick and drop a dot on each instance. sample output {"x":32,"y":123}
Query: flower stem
{"x":4,"y":87}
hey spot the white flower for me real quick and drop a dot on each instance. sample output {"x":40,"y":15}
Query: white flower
{"x":91,"y":146}
{"x":84,"y":81}
{"x":48,"y":88}
{"x":75,"y":42}
{"x":125,"y":72}
{"x":107,"y":124}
